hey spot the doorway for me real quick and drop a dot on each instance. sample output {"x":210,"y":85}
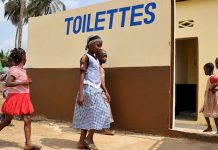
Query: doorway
{"x":186,"y":79}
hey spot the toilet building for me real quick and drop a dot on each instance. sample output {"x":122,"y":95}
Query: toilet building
{"x":138,"y":36}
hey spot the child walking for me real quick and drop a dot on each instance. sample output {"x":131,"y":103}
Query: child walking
{"x":102,"y":57}
{"x":90,"y":112}
{"x":18,"y":99}
{"x":210,"y":107}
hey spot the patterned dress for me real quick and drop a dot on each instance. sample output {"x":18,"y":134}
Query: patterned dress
{"x":94,"y":114}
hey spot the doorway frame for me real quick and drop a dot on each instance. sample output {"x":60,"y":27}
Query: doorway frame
{"x":173,"y":75}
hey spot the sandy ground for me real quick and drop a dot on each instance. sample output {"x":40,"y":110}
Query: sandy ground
{"x":52,"y":135}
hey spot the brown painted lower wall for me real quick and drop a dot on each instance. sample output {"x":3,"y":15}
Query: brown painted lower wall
{"x":140,"y":96}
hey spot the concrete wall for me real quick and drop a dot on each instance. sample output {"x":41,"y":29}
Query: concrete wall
{"x":205,"y":29}
{"x":140,"y":45}
{"x":137,"y":71}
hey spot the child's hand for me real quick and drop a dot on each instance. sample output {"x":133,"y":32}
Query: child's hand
{"x":26,"y":82}
{"x":30,"y":80}
{"x":108,"y":97}
{"x":80,"y":99}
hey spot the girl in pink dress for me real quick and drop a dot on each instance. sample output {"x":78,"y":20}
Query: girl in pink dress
{"x":18,"y":99}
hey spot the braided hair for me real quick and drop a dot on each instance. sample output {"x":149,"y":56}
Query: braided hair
{"x":17,"y":55}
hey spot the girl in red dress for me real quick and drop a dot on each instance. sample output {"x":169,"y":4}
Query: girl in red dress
{"x":18,"y":99}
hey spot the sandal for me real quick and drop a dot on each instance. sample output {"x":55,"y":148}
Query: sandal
{"x":107,"y":132}
{"x":90,"y":146}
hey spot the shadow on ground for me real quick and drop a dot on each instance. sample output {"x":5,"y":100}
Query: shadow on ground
{"x":8,"y":144}
{"x":56,"y":143}
{"x":69,"y":129}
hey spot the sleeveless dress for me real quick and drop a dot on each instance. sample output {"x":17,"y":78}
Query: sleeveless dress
{"x":18,"y":99}
{"x":102,"y":73}
{"x":94,"y":114}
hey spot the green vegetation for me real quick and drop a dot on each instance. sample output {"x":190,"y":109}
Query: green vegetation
{"x":3,"y":59}
{"x":19,"y":11}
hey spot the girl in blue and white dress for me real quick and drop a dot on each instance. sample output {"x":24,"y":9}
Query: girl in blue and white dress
{"x":91,"y":112}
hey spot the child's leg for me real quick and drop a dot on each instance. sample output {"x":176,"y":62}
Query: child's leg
{"x":27,"y":128}
{"x":89,"y":140}
{"x":209,"y":128}
{"x":216,"y":123}
{"x":90,"y":136}
{"x":6,"y":121}
{"x":3,"y":115}
{"x":81,"y":143}
{"x":27,"y":131}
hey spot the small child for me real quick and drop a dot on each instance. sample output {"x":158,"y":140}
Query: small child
{"x":18,"y":99}
{"x":210,"y":107}
{"x":90,"y":113}
{"x":102,"y":57}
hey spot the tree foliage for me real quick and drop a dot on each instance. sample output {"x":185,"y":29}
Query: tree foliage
{"x":4,"y":58}
{"x":32,"y":8}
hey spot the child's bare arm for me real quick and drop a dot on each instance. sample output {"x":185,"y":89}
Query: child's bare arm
{"x":83,"y":67}
{"x":80,"y":94}
{"x":103,"y":86}
{"x":214,"y":87}
{"x":12,"y":83}
{"x":106,"y":93}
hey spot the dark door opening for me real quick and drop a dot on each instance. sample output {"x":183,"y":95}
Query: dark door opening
{"x":186,"y":78}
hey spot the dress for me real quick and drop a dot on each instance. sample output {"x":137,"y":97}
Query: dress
{"x":102,"y":73}
{"x":18,"y":99}
{"x":94,"y":114}
{"x":210,"y":107}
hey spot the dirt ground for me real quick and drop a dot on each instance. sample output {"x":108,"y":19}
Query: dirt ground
{"x":53,"y":135}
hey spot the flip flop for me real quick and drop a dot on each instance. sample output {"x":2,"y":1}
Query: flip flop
{"x":90,"y":146}
{"x":107,"y":132}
